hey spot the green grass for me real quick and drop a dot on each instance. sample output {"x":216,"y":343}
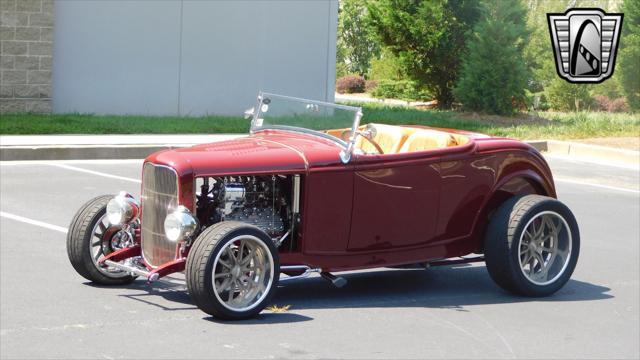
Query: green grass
{"x":542,"y":125}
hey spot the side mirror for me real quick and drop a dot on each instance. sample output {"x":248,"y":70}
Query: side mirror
{"x":248,"y":114}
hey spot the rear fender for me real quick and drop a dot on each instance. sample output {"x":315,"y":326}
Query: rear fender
{"x":527,"y":182}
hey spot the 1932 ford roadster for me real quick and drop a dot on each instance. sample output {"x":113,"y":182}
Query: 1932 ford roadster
{"x":312,"y":190}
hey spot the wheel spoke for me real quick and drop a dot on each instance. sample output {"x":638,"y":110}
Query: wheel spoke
{"x":240,"y":251}
{"x":544,"y":239}
{"x":225,"y":264}
{"x":224,"y":285}
{"x":545,"y":248}
{"x":230,"y":255}
{"x":526,"y":259}
{"x":540,"y":259}
{"x":222,"y":275}
{"x":532,"y":263}
{"x":248,"y":258}
{"x":558,"y":228}
{"x":527,"y":235}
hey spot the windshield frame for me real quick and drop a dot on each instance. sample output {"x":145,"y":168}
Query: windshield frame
{"x":347,"y":146}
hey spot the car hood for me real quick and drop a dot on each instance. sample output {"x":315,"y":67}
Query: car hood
{"x":263,"y":152}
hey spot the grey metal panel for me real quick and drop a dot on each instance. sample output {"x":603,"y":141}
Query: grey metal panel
{"x":232,"y":49}
{"x":116,"y":57}
{"x":190,"y":57}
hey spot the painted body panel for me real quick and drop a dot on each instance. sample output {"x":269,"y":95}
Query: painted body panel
{"x":377,"y":210}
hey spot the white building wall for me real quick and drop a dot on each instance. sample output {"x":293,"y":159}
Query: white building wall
{"x":190,"y":57}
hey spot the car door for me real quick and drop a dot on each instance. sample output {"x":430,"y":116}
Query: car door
{"x":396,"y":198}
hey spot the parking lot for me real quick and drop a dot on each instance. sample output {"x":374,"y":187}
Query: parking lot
{"x":48,"y":311}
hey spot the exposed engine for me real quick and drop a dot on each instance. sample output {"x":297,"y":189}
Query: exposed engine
{"x":263,"y":201}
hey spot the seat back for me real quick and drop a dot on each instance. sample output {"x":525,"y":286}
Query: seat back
{"x":426,"y":140}
{"x":389,"y":137}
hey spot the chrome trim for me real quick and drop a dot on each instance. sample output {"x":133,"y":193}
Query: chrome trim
{"x":307,"y":271}
{"x":151,"y":277}
{"x":284,"y":237}
{"x":345,"y":155}
{"x":295,"y":208}
{"x":188,"y":223}
{"x":154,"y":241}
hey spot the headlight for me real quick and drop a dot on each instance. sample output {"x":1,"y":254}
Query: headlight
{"x":180,"y":224}
{"x":122,"y":209}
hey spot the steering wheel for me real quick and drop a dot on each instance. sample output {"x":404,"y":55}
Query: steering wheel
{"x":346,"y":135}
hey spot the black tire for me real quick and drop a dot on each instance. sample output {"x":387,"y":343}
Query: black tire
{"x":502,"y":244}
{"x":79,"y":241}
{"x":200,"y":263}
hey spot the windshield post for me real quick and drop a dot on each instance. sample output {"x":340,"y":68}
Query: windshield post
{"x":345,"y":155}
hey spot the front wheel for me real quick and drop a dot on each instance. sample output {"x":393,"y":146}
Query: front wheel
{"x":90,"y":238}
{"x":232,"y":270}
{"x":532,"y":245}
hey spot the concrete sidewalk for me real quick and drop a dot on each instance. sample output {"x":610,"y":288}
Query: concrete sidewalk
{"x":76,"y":147}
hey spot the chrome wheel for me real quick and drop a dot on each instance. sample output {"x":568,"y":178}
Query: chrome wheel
{"x":545,"y":248}
{"x":106,"y":239}
{"x":243,"y":273}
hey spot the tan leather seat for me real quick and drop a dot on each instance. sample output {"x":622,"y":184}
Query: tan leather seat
{"x":426,"y":140}
{"x":389,"y":137}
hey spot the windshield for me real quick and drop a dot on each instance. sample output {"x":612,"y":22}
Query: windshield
{"x":332,"y":121}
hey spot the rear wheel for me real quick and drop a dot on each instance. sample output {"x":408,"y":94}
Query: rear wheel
{"x":532,"y":245}
{"x":232,"y":270}
{"x":90,"y":238}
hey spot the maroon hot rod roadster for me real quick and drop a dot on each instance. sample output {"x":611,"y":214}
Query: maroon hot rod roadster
{"x":312,"y":190}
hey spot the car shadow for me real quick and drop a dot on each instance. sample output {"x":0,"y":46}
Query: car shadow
{"x":453,"y":287}
{"x":450,"y":287}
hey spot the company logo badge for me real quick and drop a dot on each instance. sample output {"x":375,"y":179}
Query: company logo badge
{"x":585,"y":43}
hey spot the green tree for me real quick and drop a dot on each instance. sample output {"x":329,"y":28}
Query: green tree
{"x":565,"y":96}
{"x":494,"y":73}
{"x":629,"y":61}
{"x":428,"y":37}
{"x":356,"y":44}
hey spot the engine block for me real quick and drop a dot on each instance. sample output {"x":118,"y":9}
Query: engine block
{"x":262,"y":201}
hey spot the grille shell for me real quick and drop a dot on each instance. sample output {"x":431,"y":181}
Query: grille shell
{"x":159,"y":196}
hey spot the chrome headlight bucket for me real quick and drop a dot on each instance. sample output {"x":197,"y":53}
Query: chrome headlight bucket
{"x":180,"y":224}
{"x":122,"y":209}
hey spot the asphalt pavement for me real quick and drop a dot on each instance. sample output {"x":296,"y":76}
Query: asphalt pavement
{"x":48,"y":311}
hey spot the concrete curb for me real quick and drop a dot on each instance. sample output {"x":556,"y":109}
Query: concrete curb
{"x":587,"y":152}
{"x":87,"y":147}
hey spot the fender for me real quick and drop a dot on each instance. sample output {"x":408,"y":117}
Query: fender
{"x":519,"y":183}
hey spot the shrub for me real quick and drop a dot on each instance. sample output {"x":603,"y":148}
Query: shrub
{"x":565,"y":96}
{"x":350,"y":84}
{"x":369,"y":85}
{"x":388,"y":67}
{"x":604,"y":103}
{"x":494,"y":72}
{"x":400,"y":89}
{"x":630,"y":53}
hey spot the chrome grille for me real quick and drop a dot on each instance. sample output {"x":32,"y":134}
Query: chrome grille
{"x":159,"y":194}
